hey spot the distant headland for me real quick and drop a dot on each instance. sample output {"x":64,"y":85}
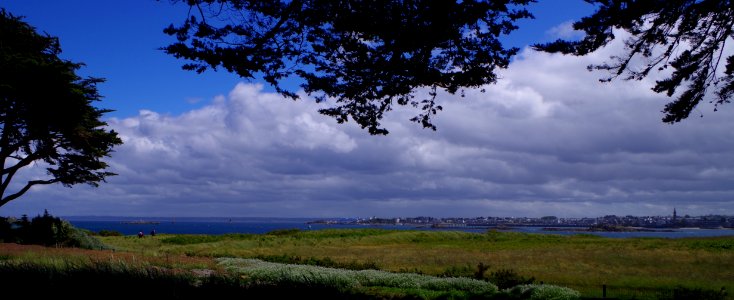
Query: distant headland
{"x":611,"y":223}
{"x":141,"y":222}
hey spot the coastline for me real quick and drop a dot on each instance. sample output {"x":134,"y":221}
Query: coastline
{"x":218,"y":226}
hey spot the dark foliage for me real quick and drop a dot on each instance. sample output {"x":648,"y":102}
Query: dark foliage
{"x":45,"y":230}
{"x":284,"y":232}
{"x":365,"y":55}
{"x":687,"y":36}
{"x":46,"y":115}
{"x":681,"y":293}
{"x":111,"y":281}
{"x":481,"y":270}
{"x":105,"y":232}
{"x":507,"y":278}
{"x":502,"y":278}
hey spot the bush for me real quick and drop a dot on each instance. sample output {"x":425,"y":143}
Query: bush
{"x":46,"y":230}
{"x":481,"y":270}
{"x":284,"y":232}
{"x":6,"y":230}
{"x":503,"y":278}
{"x":681,"y":293}
{"x":81,"y":238}
{"x":507,"y":278}
{"x":105,"y":232}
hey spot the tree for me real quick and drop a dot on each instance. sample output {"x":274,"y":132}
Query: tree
{"x":46,"y":113}
{"x":365,"y":55}
{"x":687,"y":36}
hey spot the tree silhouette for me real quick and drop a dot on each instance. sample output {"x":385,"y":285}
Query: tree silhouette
{"x":46,"y":114}
{"x":687,"y":36}
{"x":365,"y":55}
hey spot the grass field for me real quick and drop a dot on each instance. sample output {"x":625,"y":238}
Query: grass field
{"x":642,"y":268}
{"x":86,"y":274}
{"x":647,"y":268}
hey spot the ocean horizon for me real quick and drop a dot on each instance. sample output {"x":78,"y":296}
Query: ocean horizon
{"x":259,"y":225}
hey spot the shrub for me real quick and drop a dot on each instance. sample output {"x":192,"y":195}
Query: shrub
{"x":46,"y":230}
{"x":105,"y":232}
{"x":503,"y":278}
{"x":284,"y":232}
{"x":681,"y":293}
{"x":6,"y":230}
{"x":507,"y":278}
{"x":81,"y":238}
{"x":481,"y":269}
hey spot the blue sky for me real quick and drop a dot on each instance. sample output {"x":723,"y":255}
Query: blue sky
{"x":119,"y":41}
{"x":548,"y":139}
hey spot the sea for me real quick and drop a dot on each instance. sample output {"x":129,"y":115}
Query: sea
{"x":133,"y":225}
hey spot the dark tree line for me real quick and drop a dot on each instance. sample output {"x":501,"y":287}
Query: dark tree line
{"x":45,"y":230}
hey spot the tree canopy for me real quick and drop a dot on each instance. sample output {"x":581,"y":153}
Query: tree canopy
{"x":46,"y":113}
{"x":687,"y":36}
{"x":366,"y":56}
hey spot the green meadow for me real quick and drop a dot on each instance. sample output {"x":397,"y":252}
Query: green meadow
{"x":641,"y":268}
{"x":379,"y":264}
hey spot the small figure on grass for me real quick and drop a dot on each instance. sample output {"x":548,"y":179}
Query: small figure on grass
{"x":141,"y":234}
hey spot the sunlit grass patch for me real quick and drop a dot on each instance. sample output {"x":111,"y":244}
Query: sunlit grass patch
{"x":285,"y":275}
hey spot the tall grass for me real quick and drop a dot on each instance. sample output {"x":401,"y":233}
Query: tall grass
{"x":640,"y":266}
{"x":53,"y":272}
{"x":40,"y":255}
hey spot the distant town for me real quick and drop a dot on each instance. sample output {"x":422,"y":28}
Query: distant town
{"x":609,"y":222}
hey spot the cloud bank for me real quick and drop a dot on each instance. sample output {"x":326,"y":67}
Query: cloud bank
{"x":547,"y":139}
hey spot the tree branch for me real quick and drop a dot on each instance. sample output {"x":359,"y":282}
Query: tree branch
{"x":22,"y":163}
{"x":25,"y":189}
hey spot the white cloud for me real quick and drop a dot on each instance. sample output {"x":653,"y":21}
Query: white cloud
{"x":547,"y":139}
{"x":564,"y":31}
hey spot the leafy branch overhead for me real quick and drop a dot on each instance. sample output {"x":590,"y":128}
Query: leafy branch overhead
{"x":687,"y":36}
{"x":46,"y":114}
{"x":366,"y":56}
